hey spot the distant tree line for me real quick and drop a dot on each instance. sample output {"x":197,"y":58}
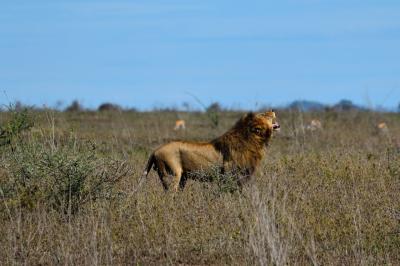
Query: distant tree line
{"x":75,"y":106}
{"x":212,"y":109}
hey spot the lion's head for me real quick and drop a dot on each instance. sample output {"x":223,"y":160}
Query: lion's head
{"x":243,"y":145}
{"x":258,"y":127}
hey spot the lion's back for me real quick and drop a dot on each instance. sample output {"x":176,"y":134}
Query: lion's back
{"x":189,"y":155}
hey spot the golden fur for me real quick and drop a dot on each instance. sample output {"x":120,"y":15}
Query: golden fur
{"x":239,"y":151}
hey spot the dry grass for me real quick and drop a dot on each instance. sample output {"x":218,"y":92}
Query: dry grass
{"x":321,"y":197}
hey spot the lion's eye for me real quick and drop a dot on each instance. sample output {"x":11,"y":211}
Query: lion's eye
{"x":257,"y":130}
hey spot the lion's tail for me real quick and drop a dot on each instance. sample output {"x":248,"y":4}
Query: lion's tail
{"x":149,"y":165}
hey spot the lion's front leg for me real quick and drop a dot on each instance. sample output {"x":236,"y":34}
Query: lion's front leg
{"x":242,"y":180}
{"x":227,"y":167}
{"x":242,"y":176}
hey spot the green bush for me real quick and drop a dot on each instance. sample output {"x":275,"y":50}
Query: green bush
{"x":62,"y":178}
{"x":11,"y":130}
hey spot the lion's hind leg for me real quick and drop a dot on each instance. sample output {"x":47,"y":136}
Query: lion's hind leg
{"x":177,"y":178}
{"x":169,"y":174}
{"x":162,"y":173}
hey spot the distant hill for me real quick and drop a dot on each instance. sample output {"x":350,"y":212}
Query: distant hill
{"x":307,"y":106}
{"x":346,"y":105}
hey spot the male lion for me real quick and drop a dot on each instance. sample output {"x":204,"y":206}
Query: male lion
{"x":238,"y":151}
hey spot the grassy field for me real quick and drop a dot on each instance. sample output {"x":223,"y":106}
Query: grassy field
{"x":329,"y":196}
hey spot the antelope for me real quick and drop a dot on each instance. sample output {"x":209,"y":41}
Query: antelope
{"x":179,"y":124}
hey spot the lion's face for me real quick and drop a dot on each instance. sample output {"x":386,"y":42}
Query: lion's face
{"x":271,"y":115}
{"x":262,"y":125}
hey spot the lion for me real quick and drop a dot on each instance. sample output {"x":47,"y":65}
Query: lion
{"x":238,"y":151}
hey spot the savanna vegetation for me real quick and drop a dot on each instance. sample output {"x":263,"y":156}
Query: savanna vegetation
{"x":328,"y":196}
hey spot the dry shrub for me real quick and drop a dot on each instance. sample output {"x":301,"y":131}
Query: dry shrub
{"x":60,"y":176}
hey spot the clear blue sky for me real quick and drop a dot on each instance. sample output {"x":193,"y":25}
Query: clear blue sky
{"x":241,"y":53}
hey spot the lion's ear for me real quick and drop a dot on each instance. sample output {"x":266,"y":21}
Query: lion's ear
{"x":268,"y":114}
{"x":249,"y":116}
